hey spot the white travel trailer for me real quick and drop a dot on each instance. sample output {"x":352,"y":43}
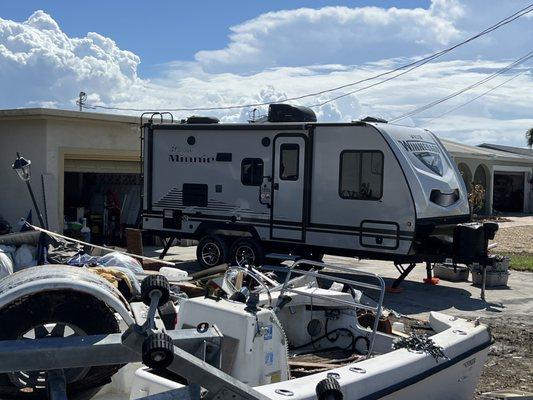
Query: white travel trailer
{"x":290,"y":185}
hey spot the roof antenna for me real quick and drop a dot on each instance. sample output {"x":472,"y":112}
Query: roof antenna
{"x":81,"y":101}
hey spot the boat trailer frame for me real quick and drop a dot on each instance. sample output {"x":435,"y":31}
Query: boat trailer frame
{"x":195,"y":356}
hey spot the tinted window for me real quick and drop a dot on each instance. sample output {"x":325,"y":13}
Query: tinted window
{"x":361,"y":175}
{"x":289,"y":162}
{"x":194,"y":195}
{"x":252,"y":171}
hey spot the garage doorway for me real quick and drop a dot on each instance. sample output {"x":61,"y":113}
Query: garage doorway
{"x":508,"y":192}
{"x":109,"y":202}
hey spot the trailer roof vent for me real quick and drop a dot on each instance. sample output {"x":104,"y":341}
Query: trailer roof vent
{"x":196,"y":119}
{"x":288,"y":113}
{"x":374,"y":119}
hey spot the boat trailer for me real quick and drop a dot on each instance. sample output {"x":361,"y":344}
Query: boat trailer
{"x":194,"y":353}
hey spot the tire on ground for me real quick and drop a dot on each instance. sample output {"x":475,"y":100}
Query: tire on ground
{"x":74,"y":309}
{"x":212,"y":250}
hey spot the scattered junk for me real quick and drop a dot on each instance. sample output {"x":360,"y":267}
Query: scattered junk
{"x":508,"y":394}
{"x":451,"y":272}
{"x":296,"y":332}
{"x":495,"y":275}
{"x":281,"y":185}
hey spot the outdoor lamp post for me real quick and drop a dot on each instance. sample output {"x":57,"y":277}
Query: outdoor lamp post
{"x":23,"y":169}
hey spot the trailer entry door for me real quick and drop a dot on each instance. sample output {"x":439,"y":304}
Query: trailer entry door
{"x":288,"y":188}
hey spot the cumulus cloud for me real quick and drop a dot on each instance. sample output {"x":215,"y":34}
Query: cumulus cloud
{"x":40,"y":63}
{"x":284,"y":54}
{"x":336,"y":34}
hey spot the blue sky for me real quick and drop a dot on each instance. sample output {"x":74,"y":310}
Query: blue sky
{"x":175,"y":54}
{"x":163,"y":31}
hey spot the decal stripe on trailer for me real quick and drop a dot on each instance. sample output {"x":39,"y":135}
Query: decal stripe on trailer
{"x":355,"y":231}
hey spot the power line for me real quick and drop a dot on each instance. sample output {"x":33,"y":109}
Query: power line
{"x":410,"y":66}
{"x":475,"y":98}
{"x":465,"y":89}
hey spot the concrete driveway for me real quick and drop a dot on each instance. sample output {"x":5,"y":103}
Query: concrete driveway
{"x":514,"y":302}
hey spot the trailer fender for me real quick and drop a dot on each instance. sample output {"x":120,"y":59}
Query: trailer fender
{"x":47,"y":278}
{"x":215,"y":228}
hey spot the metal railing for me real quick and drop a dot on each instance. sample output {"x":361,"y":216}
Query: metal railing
{"x":380,"y":287}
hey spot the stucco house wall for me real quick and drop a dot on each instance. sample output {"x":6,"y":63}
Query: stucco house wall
{"x":47,"y":138}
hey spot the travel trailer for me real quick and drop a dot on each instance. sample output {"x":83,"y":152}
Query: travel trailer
{"x":287,"y":184}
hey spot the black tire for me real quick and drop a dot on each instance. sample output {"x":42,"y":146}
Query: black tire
{"x":73,"y":309}
{"x":155,"y":282}
{"x":247,"y":249}
{"x":158,"y":351}
{"x":212,"y":250}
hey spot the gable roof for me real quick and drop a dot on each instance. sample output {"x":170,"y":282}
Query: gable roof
{"x":467,"y":151}
{"x":509,"y":149}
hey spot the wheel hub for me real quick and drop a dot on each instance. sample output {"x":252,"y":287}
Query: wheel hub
{"x":27,"y":381}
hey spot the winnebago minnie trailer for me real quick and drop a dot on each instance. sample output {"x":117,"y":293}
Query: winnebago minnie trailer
{"x":291,"y":185}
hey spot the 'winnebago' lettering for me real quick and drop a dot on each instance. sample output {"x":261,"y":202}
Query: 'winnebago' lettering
{"x":418,"y":145}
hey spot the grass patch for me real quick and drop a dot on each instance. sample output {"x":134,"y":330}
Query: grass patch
{"x":520,"y":261}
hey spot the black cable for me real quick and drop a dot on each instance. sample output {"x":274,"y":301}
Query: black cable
{"x":477,"y":97}
{"x":465,"y":89}
{"x":411,"y":66}
{"x":327,"y":335}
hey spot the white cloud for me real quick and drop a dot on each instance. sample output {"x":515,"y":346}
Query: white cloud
{"x":40,"y":63}
{"x":336,"y":34}
{"x":288,"y":53}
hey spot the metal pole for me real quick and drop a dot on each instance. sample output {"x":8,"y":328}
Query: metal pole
{"x":483,"y":282}
{"x":39,"y":215}
{"x":44,"y":202}
{"x":56,"y":385}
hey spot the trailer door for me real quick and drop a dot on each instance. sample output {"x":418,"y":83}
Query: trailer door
{"x":288,"y":184}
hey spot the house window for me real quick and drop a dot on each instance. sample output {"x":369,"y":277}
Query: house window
{"x":252,"y":171}
{"x":289,"y":162}
{"x":361,"y":175}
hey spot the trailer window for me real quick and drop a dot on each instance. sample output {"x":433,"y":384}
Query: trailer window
{"x":252,"y":171}
{"x":361,"y":175}
{"x":289,"y":162}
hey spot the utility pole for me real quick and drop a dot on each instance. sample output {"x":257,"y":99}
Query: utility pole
{"x":81,"y":100}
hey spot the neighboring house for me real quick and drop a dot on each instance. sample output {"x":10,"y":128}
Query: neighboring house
{"x":89,"y":163}
{"x":90,"y":166}
{"x":505,"y":172}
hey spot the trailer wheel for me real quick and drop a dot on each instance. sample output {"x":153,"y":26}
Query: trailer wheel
{"x":247,"y":252}
{"x":55,"y":314}
{"x":211,"y":251}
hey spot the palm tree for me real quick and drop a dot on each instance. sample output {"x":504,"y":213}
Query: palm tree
{"x":529,"y":137}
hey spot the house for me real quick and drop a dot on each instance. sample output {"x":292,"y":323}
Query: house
{"x":83,"y":165}
{"x":507,"y":176}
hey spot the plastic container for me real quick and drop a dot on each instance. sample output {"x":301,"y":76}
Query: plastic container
{"x":494,"y":278}
{"x":447,"y":272}
{"x":497,"y":274}
{"x":173,"y":274}
{"x":85,"y":231}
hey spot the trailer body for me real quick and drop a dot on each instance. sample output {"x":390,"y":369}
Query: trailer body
{"x":361,"y":189}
